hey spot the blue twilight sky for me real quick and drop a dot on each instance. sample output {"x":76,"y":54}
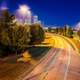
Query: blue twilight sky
{"x":51,"y":12}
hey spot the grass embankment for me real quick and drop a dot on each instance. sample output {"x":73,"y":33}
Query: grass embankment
{"x":33,"y":53}
{"x":36,"y":52}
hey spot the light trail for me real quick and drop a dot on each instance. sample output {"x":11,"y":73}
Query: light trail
{"x":50,"y":66}
{"x":69,"y":56}
{"x":69,"y":48}
{"x":51,"y":62}
{"x":39,"y":64}
{"x":42,"y":59}
{"x":68,"y":64}
{"x":47,"y":67}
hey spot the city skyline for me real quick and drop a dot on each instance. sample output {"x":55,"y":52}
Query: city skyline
{"x":50,"y":12}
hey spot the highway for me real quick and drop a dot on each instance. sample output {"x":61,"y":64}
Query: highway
{"x":62,"y":62}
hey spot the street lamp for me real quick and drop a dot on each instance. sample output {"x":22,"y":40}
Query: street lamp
{"x":24,"y":11}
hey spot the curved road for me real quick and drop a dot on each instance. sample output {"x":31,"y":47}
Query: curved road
{"x":61,"y":63}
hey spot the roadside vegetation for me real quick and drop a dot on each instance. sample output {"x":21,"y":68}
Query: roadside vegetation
{"x":15,"y":38}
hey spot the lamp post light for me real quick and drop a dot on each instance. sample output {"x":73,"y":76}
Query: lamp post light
{"x":24,"y":12}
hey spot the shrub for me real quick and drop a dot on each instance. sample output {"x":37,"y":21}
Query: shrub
{"x":37,"y":33}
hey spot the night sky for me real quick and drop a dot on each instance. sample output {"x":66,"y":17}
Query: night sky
{"x":51,"y":12}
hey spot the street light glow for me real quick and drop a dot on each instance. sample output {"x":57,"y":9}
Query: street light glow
{"x":23,"y":13}
{"x":24,"y":10}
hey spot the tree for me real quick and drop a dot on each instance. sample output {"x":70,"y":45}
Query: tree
{"x":56,"y":30}
{"x":20,"y":37}
{"x":67,"y":31}
{"x":4,"y":22}
{"x":70,"y":32}
{"x":13,"y":36}
{"x":78,"y":33}
{"x":5,"y":18}
{"x":49,"y":29}
{"x":37,"y":33}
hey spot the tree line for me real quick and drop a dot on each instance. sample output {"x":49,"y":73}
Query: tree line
{"x":15,"y":37}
